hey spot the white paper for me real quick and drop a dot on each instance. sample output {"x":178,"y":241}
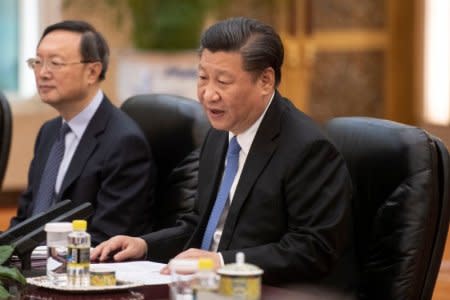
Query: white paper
{"x":145,"y":272}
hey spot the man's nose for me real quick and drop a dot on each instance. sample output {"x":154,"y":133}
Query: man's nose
{"x":44,"y":70}
{"x":210,"y":93}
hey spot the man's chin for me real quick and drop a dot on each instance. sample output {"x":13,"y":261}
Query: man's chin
{"x":219,"y":126}
{"x":47,"y":99}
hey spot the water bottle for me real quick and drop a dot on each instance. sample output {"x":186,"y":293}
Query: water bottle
{"x":205,"y":282}
{"x":78,"y":248}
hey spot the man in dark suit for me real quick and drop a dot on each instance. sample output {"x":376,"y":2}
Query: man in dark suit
{"x":288,"y":201}
{"x":104,"y":158}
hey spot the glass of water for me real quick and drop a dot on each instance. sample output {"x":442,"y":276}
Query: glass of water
{"x":57,"y":252}
{"x":182,"y":271}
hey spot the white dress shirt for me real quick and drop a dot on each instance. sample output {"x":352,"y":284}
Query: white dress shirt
{"x":77,"y":125}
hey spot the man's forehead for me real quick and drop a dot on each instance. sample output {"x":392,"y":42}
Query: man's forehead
{"x":60,"y":40}
{"x":62,"y":36}
{"x":220,"y":61}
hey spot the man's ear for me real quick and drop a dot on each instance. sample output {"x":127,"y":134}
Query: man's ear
{"x":94,"y":70}
{"x":267,"y":80}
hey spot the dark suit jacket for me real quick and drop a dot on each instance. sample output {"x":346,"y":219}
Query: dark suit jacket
{"x":290,"y":213}
{"x":112,"y":168}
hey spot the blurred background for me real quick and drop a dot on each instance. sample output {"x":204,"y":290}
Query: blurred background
{"x":380,"y":58}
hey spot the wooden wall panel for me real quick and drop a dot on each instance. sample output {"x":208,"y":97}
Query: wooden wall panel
{"x":347,"y":83}
{"x":347,"y":14}
{"x":351,"y":57}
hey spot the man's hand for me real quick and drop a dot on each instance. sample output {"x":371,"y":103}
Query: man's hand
{"x":120,"y":248}
{"x":195,"y":254}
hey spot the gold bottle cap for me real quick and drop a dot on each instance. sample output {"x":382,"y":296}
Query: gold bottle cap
{"x":79,"y":225}
{"x":205,"y":264}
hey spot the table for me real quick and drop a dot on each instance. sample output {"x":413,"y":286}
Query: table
{"x":159,"y":292}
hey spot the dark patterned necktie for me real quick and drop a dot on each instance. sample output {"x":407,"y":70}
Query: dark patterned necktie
{"x":224,"y":191}
{"x":46,"y":192}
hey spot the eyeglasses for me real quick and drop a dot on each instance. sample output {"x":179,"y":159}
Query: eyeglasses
{"x":52,"y":65}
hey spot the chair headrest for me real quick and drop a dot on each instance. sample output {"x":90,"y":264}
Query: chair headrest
{"x":5,"y":135}
{"x":173,"y":125}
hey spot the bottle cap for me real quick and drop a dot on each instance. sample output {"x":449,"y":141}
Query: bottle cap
{"x":205,"y":264}
{"x":79,"y":225}
{"x":58,"y":227}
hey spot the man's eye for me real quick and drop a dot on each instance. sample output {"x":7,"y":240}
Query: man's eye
{"x":55,"y":63}
{"x":37,"y":63}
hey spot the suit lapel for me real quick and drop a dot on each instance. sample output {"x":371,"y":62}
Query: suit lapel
{"x":261,"y":151}
{"x":48,"y":139}
{"x":215,"y":168}
{"x":211,"y":175}
{"x":88,"y":144}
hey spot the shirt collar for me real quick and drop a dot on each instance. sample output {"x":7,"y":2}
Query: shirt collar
{"x":246,"y":138}
{"x":79,"y":123}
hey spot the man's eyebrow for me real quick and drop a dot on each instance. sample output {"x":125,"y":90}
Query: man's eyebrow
{"x":50,"y":56}
{"x":219,"y":72}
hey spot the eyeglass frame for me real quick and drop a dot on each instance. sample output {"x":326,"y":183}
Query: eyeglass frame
{"x":52,"y":65}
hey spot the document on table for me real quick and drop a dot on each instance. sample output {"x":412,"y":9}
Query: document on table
{"x":145,"y":272}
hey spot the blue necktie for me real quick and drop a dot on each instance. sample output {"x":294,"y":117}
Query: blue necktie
{"x":224,"y":191}
{"x":46,"y":192}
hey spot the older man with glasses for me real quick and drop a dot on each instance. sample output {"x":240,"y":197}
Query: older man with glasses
{"x":92,"y":152}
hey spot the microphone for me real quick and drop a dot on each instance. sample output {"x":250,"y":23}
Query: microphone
{"x":37,"y":220}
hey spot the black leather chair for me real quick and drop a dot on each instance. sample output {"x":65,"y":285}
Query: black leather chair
{"x":401,"y":207}
{"x":5,"y":135}
{"x":175,"y":128}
